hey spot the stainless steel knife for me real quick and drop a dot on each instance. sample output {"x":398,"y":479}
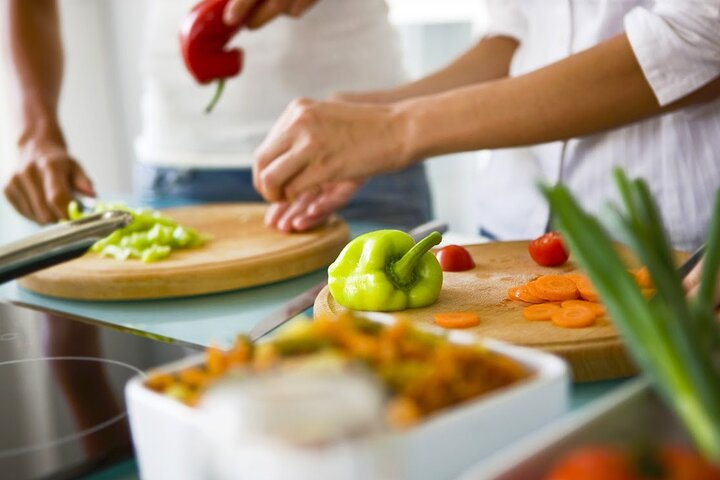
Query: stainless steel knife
{"x":306,"y":299}
{"x":57,"y":244}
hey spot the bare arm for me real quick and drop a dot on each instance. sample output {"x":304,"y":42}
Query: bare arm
{"x":44,"y":181}
{"x":595,"y":90}
{"x":316,"y":142}
{"x":488,"y":60}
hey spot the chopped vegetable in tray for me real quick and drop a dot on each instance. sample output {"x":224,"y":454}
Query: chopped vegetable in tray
{"x":150,"y":237}
{"x":422,"y":372}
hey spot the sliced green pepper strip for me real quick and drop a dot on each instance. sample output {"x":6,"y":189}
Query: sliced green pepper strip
{"x":386,"y":271}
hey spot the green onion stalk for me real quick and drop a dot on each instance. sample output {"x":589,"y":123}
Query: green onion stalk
{"x":672,"y":338}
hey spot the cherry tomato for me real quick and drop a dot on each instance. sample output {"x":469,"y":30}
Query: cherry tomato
{"x":607,"y":462}
{"x":548,"y":250}
{"x":593,"y":463}
{"x":454,"y":258}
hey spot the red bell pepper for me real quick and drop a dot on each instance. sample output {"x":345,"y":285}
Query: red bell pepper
{"x":203,"y":40}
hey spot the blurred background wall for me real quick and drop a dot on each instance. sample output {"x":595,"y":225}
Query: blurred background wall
{"x":100,"y":100}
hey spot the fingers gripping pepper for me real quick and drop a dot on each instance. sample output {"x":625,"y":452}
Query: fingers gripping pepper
{"x":203,"y":38}
{"x":386,"y":271}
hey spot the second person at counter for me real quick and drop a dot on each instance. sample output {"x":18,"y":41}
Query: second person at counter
{"x":586,"y":85}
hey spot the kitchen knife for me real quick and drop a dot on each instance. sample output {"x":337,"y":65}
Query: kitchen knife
{"x":57,"y":244}
{"x":306,"y":299}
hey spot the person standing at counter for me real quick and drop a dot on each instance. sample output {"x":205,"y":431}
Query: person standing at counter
{"x":186,"y":154}
{"x":580,"y":86}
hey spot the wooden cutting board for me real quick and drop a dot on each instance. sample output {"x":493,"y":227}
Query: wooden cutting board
{"x":594,"y":353}
{"x":241,"y":252}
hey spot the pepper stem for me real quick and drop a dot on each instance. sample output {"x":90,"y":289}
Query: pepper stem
{"x":220,"y":86}
{"x":404,"y":268}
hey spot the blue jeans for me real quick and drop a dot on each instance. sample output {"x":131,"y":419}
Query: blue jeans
{"x":399,"y":200}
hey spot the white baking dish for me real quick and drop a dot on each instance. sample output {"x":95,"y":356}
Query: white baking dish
{"x":173,"y":441}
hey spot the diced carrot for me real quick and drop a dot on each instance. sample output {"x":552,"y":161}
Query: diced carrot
{"x":159,"y":381}
{"x":524,"y":295}
{"x":642,"y":277}
{"x":194,"y":377}
{"x":402,"y":412}
{"x":553,"y":288}
{"x":457,"y":319}
{"x":540,"y":312}
{"x":216,"y":361}
{"x":598,"y":308}
{"x":577,"y":316}
{"x":240,"y":353}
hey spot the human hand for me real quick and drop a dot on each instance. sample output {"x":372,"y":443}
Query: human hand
{"x":43,"y":184}
{"x":311,"y":208}
{"x":691,"y":284}
{"x":315,"y":143}
{"x":256,"y":13}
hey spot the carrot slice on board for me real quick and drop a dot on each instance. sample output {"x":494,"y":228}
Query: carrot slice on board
{"x":573,"y":317}
{"x":524,"y":295}
{"x":457,"y":319}
{"x":574,"y":276}
{"x":642,"y":277}
{"x":587,"y":291}
{"x":555,"y":288}
{"x":597,"y":308}
{"x":512,"y":292}
{"x":540,"y":312}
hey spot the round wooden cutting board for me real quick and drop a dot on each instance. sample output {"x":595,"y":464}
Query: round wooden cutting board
{"x":594,"y":353}
{"x":241,"y":252}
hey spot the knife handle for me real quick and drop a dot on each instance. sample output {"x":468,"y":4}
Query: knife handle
{"x":57,"y":244}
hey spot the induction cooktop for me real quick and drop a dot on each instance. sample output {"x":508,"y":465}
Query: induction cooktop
{"x":62,"y":409}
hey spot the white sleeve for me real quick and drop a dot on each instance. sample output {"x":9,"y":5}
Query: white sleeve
{"x":504,"y":18}
{"x":677,"y":43}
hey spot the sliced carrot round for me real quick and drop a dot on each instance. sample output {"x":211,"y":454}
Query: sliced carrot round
{"x":642,"y":277}
{"x":555,"y":288}
{"x":574,"y":317}
{"x":524,"y":295}
{"x":597,"y":308}
{"x":540,"y":312}
{"x":587,"y":291}
{"x":512,"y":292}
{"x":457,"y":319}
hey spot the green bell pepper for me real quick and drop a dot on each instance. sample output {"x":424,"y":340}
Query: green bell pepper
{"x":386,"y":271}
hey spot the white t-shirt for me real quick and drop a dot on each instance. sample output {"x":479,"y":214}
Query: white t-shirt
{"x":337,"y":45}
{"x":677,"y":44}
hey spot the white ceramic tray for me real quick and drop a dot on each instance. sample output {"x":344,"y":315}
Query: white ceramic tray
{"x":170,"y":440}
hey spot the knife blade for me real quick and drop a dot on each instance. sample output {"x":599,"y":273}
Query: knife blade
{"x":306,"y":299}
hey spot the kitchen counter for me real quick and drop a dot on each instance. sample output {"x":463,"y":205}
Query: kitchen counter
{"x":200,"y":321}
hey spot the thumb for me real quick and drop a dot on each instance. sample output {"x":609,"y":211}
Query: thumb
{"x":81,"y":183}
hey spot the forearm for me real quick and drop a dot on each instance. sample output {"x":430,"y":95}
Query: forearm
{"x":488,"y":60}
{"x":595,"y":90}
{"x":37,"y":64}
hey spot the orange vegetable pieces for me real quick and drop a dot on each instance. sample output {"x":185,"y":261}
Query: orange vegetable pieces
{"x":585,"y":288}
{"x":194,"y":377}
{"x":457,"y":319}
{"x":554,"y":288}
{"x":540,"y":312}
{"x":522,"y":294}
{"x":402,"y":412}
{"x":598,"y":308}
{"x":159,"y":381}
{"x":576,"y":316}
{"x":642,"y":277}
{"x":216,"y":361}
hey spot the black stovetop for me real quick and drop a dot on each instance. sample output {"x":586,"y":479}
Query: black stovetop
{"x":62,"y":409}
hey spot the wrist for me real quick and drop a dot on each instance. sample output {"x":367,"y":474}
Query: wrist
{"x":45,"y":131}
{"x":411,"y":117}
